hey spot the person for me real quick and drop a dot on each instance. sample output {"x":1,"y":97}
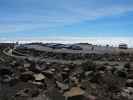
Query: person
{"x":92,"y":48}
{"x":107,"y":46}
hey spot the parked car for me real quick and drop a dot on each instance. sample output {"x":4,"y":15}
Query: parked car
{"x":54,"y":45}
{"x":75,"y":47}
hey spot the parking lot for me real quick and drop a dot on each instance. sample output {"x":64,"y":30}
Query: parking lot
{"x":79,"y":48}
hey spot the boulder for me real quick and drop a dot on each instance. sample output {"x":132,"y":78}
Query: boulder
{"x":88,"y":73}
{"x":39,"y":68}
{"x":130,"y":76}
{"x":39,"y":77}
{"x":38,"y":84}
{"x":22,"y":93}
{"x":75,"y":93}
{"x":26,"y":76}
{"x":36,"y":68}
{"x":48,"y":73}
{"x":53,"y":69}
{"x":109,"y":68}
{"x":62,"y":86}
{"x":129,"y":83}
{"x":122,"y":73}
{"x":34,"y":93}
{"x":127,"y":93}
{"x":21,"y":68}
{"x":91,"y":97}
{"x":40,"y":97}
{"x":74,"y":79}
{"x":66,"y":69}
{"x":27,"y":92}
{"x":6,"y":78}
{"x":5,"y":71}
{"x":65,"y":75}
{"x":27,"y":65}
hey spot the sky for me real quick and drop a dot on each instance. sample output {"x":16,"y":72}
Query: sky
{"x":35,"y":19}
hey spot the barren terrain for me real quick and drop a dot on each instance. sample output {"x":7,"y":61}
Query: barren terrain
{"x":38,"y":72}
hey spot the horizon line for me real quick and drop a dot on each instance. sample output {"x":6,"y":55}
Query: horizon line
{"x":114,"y":41}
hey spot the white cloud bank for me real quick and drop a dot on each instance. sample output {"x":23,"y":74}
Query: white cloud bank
{"x":112,"y":41}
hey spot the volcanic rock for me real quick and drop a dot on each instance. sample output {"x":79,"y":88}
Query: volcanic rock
{"x":39,"y":77}
{"x":75,"y":93}
{"x":26,"y":76}
{"x":27,"y":65}
{"x":5,"y":71}
{"x":48,"y":73}
{"x":62,"y":86}
{"x":129,"y":83}
{"x":127,"y":93}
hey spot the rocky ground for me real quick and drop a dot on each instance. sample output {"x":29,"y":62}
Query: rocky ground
{"x":27,"y":79}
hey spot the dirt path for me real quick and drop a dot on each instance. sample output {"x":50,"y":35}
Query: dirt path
{"x":9,"y":53}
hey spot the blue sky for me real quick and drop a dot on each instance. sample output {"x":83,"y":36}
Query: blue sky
{"x":66,"y":18}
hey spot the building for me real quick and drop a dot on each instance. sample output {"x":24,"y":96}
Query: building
{"x":123,"y":46}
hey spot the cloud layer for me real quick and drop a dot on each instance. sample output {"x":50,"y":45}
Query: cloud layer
{"x":112,"y":41}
